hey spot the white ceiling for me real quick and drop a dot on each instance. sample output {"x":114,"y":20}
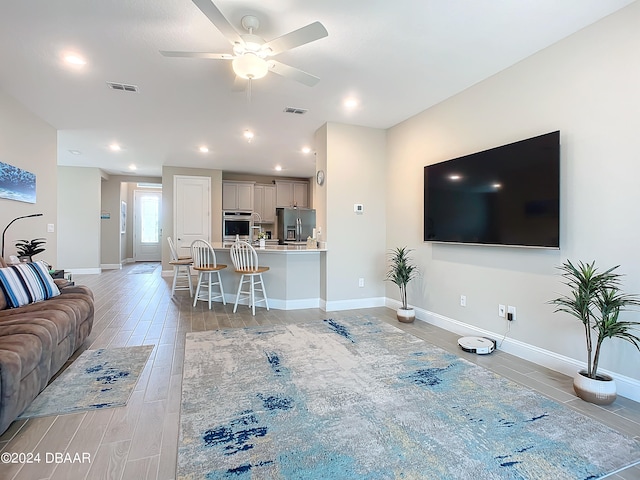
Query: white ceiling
{"x":398,"y":58}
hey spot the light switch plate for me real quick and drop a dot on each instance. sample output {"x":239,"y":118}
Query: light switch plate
{"x":50,"y":228}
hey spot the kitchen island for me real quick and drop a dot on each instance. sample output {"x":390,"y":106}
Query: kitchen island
{"x":293,"y":279}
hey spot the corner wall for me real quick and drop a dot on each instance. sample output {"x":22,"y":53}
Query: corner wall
{"x":355,"y":174}
{"x":586,"y":86}
{"x":29,"y":143}
{"x":79,"y":213}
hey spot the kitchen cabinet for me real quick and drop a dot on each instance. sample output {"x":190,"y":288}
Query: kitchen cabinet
{"x":264,"y":202}
{"x":237,"y":196}
{"x":292,"y":194}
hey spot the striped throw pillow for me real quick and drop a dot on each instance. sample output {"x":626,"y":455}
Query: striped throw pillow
{"x":27,"y":283}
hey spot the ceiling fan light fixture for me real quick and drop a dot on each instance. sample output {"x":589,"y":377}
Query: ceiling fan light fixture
{"x":250,"y":66}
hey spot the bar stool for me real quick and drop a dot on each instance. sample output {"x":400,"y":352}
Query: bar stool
{"x":204,"y":262}
{"x":245,"y":262}
{"x":181,"y":270}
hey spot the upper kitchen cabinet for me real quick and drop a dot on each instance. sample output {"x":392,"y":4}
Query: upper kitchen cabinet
{"x":264,"y":202}
{"x":237,"y":196}
{"x":292,"y":194}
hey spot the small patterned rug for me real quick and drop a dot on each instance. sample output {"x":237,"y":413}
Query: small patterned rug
{"x":356,"y":398}
{"x":144,"y":268}
{"x":96,"y":379}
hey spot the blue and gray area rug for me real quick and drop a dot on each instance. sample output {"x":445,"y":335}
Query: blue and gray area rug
{"x":96,"y":379}
{"x":357,"y":398}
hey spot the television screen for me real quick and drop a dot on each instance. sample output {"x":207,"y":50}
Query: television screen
{"x":509,"y":195}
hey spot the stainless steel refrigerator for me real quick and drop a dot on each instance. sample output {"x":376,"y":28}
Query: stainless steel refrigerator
{"x":294,"y":225}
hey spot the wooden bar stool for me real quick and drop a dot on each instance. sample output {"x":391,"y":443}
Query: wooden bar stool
{"x":181,"y":270}
{"x":245,"y":262}
{"x":204,"y":262}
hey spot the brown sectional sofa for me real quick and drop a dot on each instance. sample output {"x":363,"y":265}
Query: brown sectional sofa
{"x":35,"y":342}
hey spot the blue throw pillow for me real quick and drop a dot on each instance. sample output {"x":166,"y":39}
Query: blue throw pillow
{"x":27,"y":283}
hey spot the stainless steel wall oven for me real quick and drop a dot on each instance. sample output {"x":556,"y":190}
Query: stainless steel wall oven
{"x":238,"y":224}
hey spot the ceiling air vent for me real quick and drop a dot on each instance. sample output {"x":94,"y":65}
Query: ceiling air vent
{"x":298,"y":111}
{"x":122,"y":87}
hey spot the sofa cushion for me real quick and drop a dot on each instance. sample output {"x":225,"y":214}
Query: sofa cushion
{"x":27,"y":283}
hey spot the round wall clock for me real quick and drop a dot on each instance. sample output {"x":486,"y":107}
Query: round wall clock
{"x":320,"y":177}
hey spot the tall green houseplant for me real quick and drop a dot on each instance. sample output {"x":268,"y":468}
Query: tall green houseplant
{"x":401,"y":271}
{"x":597,"y":301}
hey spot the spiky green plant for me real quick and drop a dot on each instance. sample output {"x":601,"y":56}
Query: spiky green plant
{"x":29,"y":248}
{"x":597,"y":301}
{"x":401,"y":271}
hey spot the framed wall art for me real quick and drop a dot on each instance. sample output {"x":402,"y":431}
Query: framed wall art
{"x":17,"y":184}
{"x":123,"y":217}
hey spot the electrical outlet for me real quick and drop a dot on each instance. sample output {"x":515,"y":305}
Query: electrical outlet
{"x":361,"y":282}
{"x":50,"y":228}
{"x":501,"y":311}
{"x":463,"y":300}
{"x":511,"y":313}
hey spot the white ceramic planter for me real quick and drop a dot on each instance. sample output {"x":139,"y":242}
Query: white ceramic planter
{"x":406,"y":316}
{"x":601,"y":391}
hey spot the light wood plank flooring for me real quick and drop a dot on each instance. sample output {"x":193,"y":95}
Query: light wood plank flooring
{"x":139,"y":441}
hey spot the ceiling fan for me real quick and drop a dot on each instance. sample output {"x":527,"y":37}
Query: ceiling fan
{"x":251,"y":58}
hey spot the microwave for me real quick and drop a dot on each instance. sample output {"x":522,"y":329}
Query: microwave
{"x":236,"y":224}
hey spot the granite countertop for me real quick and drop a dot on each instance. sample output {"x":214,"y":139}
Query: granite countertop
{"x":272,"y":248}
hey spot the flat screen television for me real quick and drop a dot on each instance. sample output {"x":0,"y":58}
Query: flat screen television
{"x":508,"y":195}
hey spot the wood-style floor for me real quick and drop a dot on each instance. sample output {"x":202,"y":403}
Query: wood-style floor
{"x":139,"y":441}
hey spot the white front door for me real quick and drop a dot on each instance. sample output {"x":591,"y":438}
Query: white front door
{"x":147,"y":241}
{"x":191,"y":211}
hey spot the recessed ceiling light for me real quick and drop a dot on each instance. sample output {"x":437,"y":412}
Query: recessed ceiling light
{"x":497,"y":185}
{"x":454,"y":177}
{"x":351,"y":102}
{"x":114,"y":147}
{"x":204,"y":149}
{"x":75,"y":152}
{"x":248,"y":134}
{"x":132,"y":167}
{"x":74,"y":59}
{"x":278,"y":168}
{"x":306,"y":150}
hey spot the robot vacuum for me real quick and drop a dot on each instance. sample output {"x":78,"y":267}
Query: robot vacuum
{"x":478,"y":345}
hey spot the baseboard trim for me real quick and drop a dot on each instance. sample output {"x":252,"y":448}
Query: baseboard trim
{"x":353,"y":304}
{"x":626,"y":386}
{"x":276,"y":303}
{"x":111,"y":266}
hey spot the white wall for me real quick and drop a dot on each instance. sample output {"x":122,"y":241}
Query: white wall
{"x":79,"y":201}
{"x":588,"y":87}
{"x":355,"y":173}
{"x":29,"y":143}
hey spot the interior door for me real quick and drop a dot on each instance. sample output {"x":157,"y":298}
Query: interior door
{"x":191,"y":211}
{"x":147,"y":233}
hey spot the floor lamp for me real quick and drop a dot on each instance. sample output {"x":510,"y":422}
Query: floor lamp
{"x":17,"y":218}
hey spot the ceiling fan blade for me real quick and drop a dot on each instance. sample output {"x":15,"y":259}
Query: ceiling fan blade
{"x":216,"y":17}
{"x":210,"y":56}
{"x":310,"y":33}
{"x":293,"y":73}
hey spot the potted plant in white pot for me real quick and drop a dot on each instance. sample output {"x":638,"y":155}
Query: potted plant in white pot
{"x":597,"y":301}
{"x":401,"y":271}
{"x":27,"y":249}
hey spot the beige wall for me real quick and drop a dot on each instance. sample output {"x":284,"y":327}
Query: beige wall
{"x":355,"y":173}
{"x":29,"y":143}
{"x":79,"y":219}
{"x":588,"y":87}
{"x":117,"y":248}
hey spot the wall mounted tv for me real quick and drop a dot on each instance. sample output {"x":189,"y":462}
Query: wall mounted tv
{"x":509,"y":195}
